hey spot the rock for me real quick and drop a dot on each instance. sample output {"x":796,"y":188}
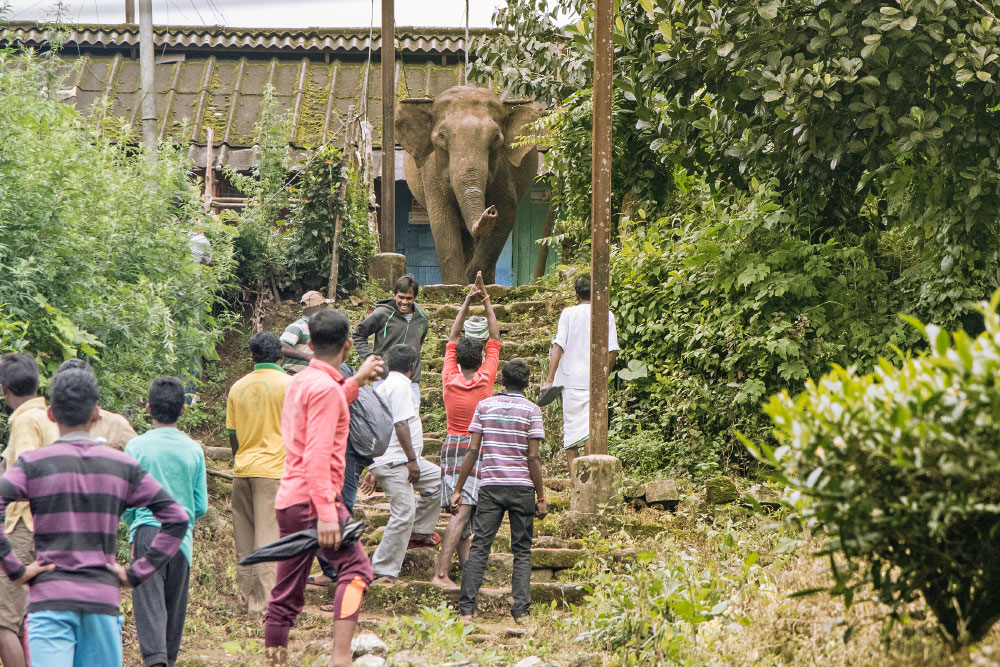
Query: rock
{"x":377,"y":520}
{"x":542,"y":575}
{"x":592,"y":660}
{"x":430,"y":398}
{"x":368,"y":644}
{"x":556,"y":483}
{"x":407,"y":659}
{"x":632,"y":489}
{"x":660,"y":490}
{"x":359,"y":513}
{"x":596,"y":484}
{"x":443,"y":293}
{"x":499,"y":569}
{"x":720,"y":490}
{"x":419,"y":564}
{"x":386,"y":269}
{"x":549,"y":542}
{"x":573,"y":524}
{"x":533,"y":661}
{"x":556,"y":559}
{"x":515,"y":632}
{"x":370,"y":661}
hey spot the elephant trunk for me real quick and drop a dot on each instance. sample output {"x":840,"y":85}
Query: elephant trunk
{"x":470,"y":190}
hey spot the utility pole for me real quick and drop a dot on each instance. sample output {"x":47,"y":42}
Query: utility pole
{"x":146,"y":97}
{"x":465,"y":72}
{"x":130,"y":11}
{"x":388,"y":67}
{"x":600,"y":234}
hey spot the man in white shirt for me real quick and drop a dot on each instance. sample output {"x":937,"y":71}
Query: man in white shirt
{"x":569,"y":367}
{"x":401,"y":470}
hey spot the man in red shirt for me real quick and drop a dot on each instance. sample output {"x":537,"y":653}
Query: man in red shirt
{"x":314,"y":426}
{"x":467,"y":377}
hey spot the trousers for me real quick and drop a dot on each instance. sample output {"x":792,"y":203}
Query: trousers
{"x":518,"y":502}
{"x":288,"y":595}
{"x":253,"y":527}
{"x":160,"y":603}
{"x":405,"y":516}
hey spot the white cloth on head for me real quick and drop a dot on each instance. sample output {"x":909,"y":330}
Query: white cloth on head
{"x":573,"y":336}
{"x":398,"y":393}
{"x":576,"y":416}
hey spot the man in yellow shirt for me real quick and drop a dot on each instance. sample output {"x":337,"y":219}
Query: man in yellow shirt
{"x":253,"y":420}
{"x":114,"y":429}
{"x":30,"y":428}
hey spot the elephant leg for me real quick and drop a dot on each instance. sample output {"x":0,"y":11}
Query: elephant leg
{"x":446,"y":228}
{"x":488,"y":248}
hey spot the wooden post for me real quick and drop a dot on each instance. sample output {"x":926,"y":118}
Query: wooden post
{"x":388,"y":52}
{"x":209,"y":169}
{"x":338,"y":224}
{"x":543,"y":248}
{"x":129,"y":11}
{"x":600,"y":235}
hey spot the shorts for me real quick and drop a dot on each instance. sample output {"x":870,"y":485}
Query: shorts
{"x":452,"y":454}
{"x":74,"y":639}
{"x":14,"y":597}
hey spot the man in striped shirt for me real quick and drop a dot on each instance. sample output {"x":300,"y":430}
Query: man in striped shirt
{"x":508,"y":428}
{"x":77,"y":490}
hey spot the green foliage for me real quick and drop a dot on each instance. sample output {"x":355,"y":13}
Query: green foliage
{"x":650,"y":612}
{"x":258,"y":243}
{"x":871,"y":117}
{"x":721,"y":304}
{"x":787,"y":177}
{"x":900,"y":467}
{"x":325,"y":191}
{"x":95,"y":257}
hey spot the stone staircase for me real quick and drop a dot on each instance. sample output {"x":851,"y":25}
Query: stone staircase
{"x":527,"y":317}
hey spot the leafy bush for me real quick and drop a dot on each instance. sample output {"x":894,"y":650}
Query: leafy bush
{"x":650,"y":612}
{"x":258,"y":244}
{"x":321,"y":200}
{"x":901,"y":467}
{"x":723,"y":303}
{"x":95,"y":255}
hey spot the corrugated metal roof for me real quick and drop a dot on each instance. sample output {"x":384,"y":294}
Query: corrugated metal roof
{"x":225,"y":94}
{"x":332,"y":41}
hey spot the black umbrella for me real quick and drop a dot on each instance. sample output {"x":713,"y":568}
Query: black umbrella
{"x":301,"y":542}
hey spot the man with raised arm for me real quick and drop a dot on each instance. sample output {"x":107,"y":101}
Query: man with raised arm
{"x":314,"y":425}
{"x":78,"y":489}
{"x":467,"y":377}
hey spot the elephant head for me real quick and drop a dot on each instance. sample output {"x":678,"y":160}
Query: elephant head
{"x":470,"y":133}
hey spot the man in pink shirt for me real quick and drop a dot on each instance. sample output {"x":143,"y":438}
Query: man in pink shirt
{"x":314,"y":426}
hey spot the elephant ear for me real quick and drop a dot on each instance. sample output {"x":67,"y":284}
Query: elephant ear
{"x":413,"y":128}
{"x":518,"y":117}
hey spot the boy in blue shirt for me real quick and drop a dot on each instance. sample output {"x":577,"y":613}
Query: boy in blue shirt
{"x":178,"y":463}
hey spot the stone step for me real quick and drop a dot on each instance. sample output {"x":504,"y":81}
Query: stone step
{"x":455,"y":294}
{"x":508,"y":349}
{"x":410,"y":596}
{"x":517,"y":311}
{"x":534,"y":363}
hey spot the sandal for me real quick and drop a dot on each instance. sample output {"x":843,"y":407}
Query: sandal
{"x":417,"y":542}
{"x":327,"y":607}
{"x":385,"y":579}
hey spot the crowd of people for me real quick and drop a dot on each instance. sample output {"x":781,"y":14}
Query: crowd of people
{"x":74,"y":470}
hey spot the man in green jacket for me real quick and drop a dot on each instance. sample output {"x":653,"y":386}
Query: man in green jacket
{"x":396,"y":320}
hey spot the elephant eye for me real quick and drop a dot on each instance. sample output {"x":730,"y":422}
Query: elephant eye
{"x":497,"y":140}
{"x":442,"y":139}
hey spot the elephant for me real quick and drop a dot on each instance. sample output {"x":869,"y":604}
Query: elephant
{"x":460,"y":165}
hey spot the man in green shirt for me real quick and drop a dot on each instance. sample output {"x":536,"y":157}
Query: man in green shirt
{"x":178,"y":463}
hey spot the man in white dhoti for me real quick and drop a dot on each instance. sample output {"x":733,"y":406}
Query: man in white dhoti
{"x":569,"y":367}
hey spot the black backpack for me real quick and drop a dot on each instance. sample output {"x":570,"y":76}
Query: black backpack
{"x":371,"y":421}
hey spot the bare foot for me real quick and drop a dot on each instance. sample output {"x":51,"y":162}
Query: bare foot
{"x":466,"y":617}
{"x":485,"y":224}
{"x":444,"y":582}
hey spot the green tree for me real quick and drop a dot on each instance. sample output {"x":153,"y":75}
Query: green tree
{"x":94,"y":244}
